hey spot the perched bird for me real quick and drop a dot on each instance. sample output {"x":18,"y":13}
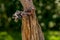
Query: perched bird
{"x":17,"y":15}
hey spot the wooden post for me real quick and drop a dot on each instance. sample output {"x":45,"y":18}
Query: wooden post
{"x":31,"y":29}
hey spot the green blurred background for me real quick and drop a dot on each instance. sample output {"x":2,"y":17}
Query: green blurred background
{"x":47,"y":12}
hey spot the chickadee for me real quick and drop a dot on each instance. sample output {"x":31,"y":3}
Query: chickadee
{"x":17,"y":15}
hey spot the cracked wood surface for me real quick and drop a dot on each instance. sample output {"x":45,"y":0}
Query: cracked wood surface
{"x":31,"y":29}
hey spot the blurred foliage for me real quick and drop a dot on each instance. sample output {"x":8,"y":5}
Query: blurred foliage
{"x":47,"y":12}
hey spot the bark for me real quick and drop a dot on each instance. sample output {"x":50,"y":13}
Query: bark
{"x":31,"y":30}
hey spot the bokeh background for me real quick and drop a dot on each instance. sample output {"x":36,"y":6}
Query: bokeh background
{"x":47,"y":12}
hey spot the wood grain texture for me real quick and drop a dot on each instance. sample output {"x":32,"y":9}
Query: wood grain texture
{"x":27,"y":4}
{"x":31,"y":29}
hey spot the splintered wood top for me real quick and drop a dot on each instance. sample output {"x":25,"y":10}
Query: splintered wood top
{"x":27,"y":4}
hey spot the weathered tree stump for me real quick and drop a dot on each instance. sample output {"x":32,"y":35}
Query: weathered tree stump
{"x":30,"y":26}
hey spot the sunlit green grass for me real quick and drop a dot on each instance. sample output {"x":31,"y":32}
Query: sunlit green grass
{"x":50,"y":35}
